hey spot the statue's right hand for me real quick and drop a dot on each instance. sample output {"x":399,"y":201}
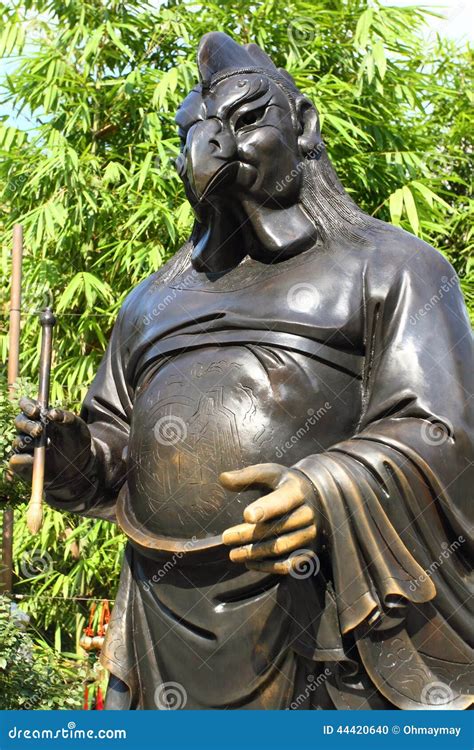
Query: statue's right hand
{"x":68,"y":448}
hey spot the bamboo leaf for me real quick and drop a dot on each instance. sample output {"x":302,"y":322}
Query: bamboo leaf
{"x":380,"y":60}
{"x":410,"y":208}
{"x":396,"y":206}
{"x":364,"y":23}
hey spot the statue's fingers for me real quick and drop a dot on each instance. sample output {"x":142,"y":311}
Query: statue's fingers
{"x":24,"y":444}
{"x":277,"y":503}
{"x":30,"y":407}
{"x":60,"y":416}
{"x":28,"y":426}
{"x":274,"y":547}
{"x":250,"y":532}
{"x":69,"y":417}
{"x":21,"y":464}
{"x":280,"y":567}
{"x":267,"y":474}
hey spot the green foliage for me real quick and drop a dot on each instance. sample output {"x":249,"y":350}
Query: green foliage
{"x":71,"y":558}
{"x":92,"y":182}
{"x":31,"y":676}
{"x":9,"y":491}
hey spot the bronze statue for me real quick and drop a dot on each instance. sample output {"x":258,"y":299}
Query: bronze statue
{"x":281,"y":426}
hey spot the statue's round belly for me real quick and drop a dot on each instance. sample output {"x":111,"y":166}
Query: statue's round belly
{"x":204,"y":412}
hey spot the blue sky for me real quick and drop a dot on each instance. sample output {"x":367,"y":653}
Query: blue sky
{"x":459,"y":21}
{"x":458,"y":24}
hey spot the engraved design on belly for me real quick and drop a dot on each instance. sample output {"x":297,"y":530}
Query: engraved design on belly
{"x":223,"y":367}
{"x":180,"y":478}
{"x":212,"y":440}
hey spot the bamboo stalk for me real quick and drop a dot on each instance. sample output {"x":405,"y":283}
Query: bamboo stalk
{"x":15,"y":309}
{"x":13,"y":367}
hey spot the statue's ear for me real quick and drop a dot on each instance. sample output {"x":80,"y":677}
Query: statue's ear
{"x":309,"y":136}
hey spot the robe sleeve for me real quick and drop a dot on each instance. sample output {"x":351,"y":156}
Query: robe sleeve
{"x":395,"y":513}
{"x":107,"y":410}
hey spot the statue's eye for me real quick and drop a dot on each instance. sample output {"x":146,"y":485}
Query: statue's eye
{"x":250,"y":118}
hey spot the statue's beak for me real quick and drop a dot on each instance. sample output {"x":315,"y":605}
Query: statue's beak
{"x":208,"y":159}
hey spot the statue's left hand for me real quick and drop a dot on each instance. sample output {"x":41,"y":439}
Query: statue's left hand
{"x":277,"y":526}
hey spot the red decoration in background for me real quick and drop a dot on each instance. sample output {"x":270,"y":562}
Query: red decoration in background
{"x":92,"y":641}
{"x":99,"y":704}
{"x":104,"y":618}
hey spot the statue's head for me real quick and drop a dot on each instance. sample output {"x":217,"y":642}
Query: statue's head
{"x":247,"y":134}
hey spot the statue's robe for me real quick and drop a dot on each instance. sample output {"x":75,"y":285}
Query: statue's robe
{"x":352,"y":363}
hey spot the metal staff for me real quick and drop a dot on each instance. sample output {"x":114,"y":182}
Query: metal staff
{"x":34,"y":514}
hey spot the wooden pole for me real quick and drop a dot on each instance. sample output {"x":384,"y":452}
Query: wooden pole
{"x":13,"y":366}
{"x":34,"y":514}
